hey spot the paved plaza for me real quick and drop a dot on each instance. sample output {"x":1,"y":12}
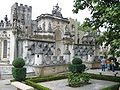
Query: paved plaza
{"x":62,"y":84}
{"x":5,"y":85}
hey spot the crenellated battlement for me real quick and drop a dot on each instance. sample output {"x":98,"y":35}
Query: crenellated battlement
{"x":26,"y":7}
{"x":24,"y":13}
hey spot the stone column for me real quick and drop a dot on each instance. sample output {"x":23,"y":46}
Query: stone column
{"x":67,"y":56}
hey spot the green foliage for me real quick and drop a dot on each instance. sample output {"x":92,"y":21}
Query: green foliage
{"x":77,"y":79}
{"x":48,"y":78}
{"x":76,"y":66}
{"x":18,"y":63}
{"x":33,"y":81}
{"x":104,"y":77}
{"x":86,"y":79}
{"x":104,"y":14}
{"x":76,"y":61}
{"x":113,"y":87}
{"x":36,"y":86}
{"x":19,"y":74}
{"x":116,"y":62}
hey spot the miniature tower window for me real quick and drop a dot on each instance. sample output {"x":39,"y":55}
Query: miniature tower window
{"x":5,"y":49}
{"x":78,"y":39}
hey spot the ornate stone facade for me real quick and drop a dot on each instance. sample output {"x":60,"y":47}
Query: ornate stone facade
{"x":41,"y":42}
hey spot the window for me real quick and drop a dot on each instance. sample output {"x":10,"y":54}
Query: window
{"x":58,"y":51}
{"x":38,"y":56}
{"x":72,"y":26}
{"x":5,"y":49}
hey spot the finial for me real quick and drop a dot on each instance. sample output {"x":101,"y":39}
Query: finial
{"x":6,"y":18}
{"x":56,"y":11}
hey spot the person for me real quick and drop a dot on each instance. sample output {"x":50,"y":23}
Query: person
{"x":108,"y":62}
{"x":113,"y":65}
{"x":103,"y":60}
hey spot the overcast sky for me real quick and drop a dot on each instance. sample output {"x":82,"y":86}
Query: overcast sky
{"x":43,"y":6}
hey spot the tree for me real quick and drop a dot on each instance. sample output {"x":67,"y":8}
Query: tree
{"x":105,"y":14}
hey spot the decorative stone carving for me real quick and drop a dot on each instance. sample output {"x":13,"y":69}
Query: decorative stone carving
{"x":39,"y":28}
{"x":56,"y":11}
{"x":6,"y":18}
{"x":67,"y":30}
{"x":43,"y":26}
{"x":50,"y":28}
{"x":83,"y":50}
{"x":53,"y":60}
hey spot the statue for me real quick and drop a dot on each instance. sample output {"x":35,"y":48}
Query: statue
{"x":66,"y":31}
{"x":6,"y":18}
{"x":49,"y":27}
{"x":43,"y":26}
{"x":39,"y":28}
{"x":66,"y":28}
{"x":57,"y":11}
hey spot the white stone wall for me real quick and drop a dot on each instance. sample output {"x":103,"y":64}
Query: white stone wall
{"x":8,"y":35}
{"x":25,"y":49}
{"x":12,"y":47}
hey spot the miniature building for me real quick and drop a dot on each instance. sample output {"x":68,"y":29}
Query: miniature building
{"x":41,"y":42}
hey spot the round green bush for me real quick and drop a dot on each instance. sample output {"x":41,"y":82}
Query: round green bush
{"x":18,"y":62}
{"x":76,"y":61}
{"x":77,"y":68}
{"x":19,"y":74}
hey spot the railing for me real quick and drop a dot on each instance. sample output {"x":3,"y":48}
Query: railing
{"x":53,"y":60}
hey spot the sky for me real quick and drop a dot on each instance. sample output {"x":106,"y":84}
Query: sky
{"x":44,"y":6}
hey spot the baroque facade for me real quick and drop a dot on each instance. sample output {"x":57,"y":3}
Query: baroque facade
{"x":51,"y":39}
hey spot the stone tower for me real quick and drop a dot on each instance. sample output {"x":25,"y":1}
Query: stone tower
{"x":23,"y":14}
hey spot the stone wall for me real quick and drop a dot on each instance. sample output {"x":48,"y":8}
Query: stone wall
{"x":50,"y":70}
{"x":92,"y":65}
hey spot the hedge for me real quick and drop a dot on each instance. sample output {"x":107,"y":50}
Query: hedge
{"x":18,"y":62}
{"x":48,"y":78}
{"x":92,"y":76}
{"x":36,"y":86}
{"x":113,"y":87}
{"x":76,"y":61}
{"x":19,"y":74}
{"x":104,"y":77}
{"x":33,"y":81}
{"x":76,"y":68}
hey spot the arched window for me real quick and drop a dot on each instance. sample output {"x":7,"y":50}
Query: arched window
{"x":5,"y":49}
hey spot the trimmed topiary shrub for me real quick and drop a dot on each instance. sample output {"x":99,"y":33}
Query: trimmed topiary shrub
{"x":77,"y":66}
{"x":18,"y":72}
{"x":76,"y":61}
{"x":76,"y":77}
{"x":18,"y":62}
